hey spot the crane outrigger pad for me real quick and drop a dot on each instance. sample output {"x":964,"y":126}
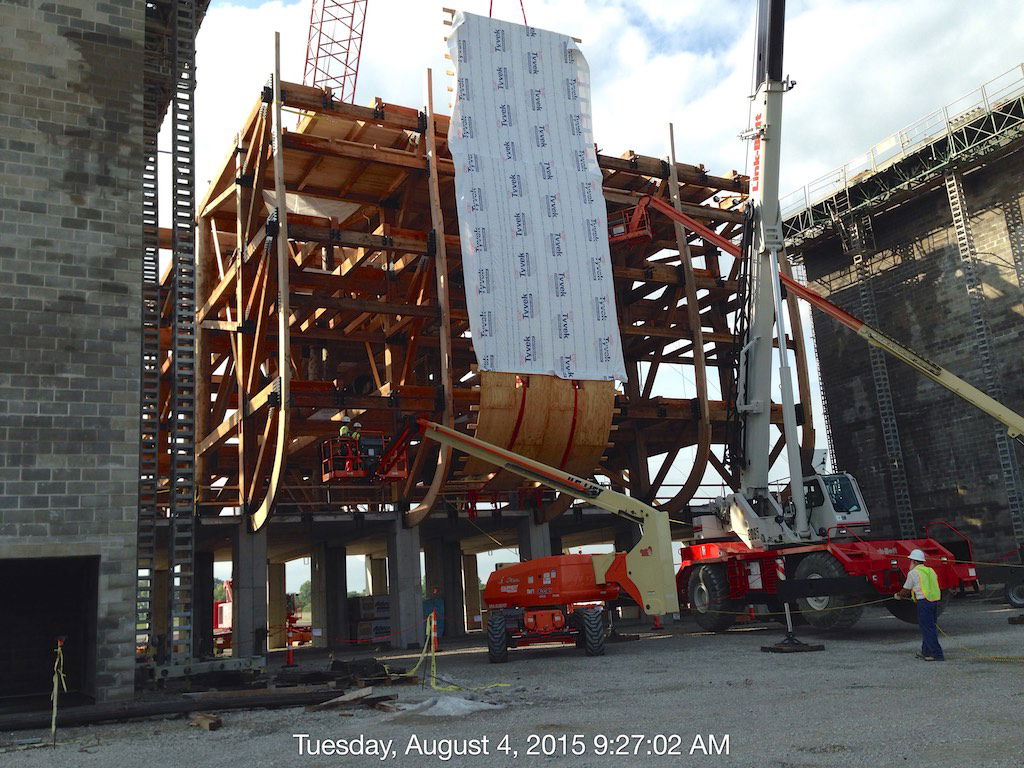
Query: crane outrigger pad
{"x":789,"y":644}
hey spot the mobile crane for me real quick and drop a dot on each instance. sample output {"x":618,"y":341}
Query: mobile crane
{"x":751,"y":548}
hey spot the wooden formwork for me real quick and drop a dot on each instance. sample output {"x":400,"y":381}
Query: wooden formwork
{"x":377,"y":325}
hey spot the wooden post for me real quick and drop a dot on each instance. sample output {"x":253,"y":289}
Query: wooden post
{"x":700,"y":461}
{"x":284,"y":358}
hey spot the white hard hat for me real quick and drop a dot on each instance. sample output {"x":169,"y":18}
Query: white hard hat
{"x":359,"y":425}
{"x":917,"y":555}
{"x":345,"y":419}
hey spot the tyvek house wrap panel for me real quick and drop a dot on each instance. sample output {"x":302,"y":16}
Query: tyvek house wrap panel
{"x":532,"y":217}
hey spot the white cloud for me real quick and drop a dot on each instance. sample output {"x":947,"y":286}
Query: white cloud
{"x":865,"y":68}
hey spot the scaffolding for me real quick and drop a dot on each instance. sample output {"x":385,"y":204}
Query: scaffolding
{"x":974,"y":126}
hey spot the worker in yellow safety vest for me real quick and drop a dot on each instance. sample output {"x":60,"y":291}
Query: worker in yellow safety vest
{"x":923,"y":584}
{"x":346,"y":429}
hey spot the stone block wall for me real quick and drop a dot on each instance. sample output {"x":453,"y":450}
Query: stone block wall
{"x":70,"y":272}
{"x":948,"y":446}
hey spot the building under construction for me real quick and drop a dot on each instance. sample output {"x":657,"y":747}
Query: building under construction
{"x":922,"y":237}
{"x":175,"y":397}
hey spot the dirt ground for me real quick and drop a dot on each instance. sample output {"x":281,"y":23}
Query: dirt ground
{"x":864,"y":701}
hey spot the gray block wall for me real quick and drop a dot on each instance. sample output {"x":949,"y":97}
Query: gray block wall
{"x":948,"y":446}
{"x":70,"y":255}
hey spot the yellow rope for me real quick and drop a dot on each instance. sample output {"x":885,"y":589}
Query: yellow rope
{"x":783,"y":613}
{"x":428,"y":648}
{"x":963,"y":649}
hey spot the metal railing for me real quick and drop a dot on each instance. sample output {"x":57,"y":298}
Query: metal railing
{"x":936,"y":125}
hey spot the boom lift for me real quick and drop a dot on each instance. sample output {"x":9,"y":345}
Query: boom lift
{"x":551,"y":599}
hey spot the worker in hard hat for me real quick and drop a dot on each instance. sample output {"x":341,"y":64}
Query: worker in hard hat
{"x":345,"y":430}
{"x":355,"y":431}
{"x":923,"y":584}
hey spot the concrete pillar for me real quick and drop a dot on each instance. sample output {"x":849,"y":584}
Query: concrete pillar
{"x":404,"y":586}
{"x":277,"y":606}
{"x":443,"y":578}
{"x":376,"y":575}
{"x":474,"y":601}
{"x":329,"y":594}
{"x":534,"y":539}
{"x":202,"y":607}
{"x":249,"y":589}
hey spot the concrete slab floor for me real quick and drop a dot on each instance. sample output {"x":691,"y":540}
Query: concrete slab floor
{"x":865,"y":701}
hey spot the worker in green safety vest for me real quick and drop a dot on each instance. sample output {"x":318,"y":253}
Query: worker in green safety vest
{"x":923,"y":584}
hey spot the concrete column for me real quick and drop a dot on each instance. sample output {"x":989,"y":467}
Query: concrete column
{"x":404,"y":586}
{"x":443,"y":578}
{"x":329,"y":593}
{"x":534,"y":539}
{"x":202,"y":606}
{"x":277,"y":606}
{"x":376,"y":575}
{"x":471,"y":582}
{"x":249,"y":588}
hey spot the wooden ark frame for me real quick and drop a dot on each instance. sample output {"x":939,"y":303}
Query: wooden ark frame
{"x":377,"y":327}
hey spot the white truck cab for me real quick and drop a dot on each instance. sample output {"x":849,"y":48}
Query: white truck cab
{"x":834,"y":500}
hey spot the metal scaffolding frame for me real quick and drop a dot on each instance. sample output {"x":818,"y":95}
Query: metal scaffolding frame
{"x":974,"y":126}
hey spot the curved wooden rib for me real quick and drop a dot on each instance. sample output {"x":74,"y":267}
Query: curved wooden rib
{"x":444,"y":456}
{"x":262,"y":513}
{"x":700,"y":459}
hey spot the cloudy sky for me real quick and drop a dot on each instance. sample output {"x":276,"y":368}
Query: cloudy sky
{"x":864,"y":69}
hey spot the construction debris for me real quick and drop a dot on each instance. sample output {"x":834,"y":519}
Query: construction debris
{"x":363,"y":697}
{"x":352,"y":697}
{"x":206,"y":720}
{"x":449,"y":706}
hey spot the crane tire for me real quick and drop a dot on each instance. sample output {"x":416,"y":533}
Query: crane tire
{"x":593,"y":632}
{"x":497,"y":639}
{"x":833,"y":611}
{"x":709,"y":598}
{"x":906,"y":610}
{"x":1015,"y":593}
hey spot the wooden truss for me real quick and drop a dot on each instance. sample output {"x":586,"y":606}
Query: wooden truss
{"x":367,"y":310}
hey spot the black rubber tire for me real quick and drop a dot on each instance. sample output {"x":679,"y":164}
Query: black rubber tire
{"x":906,"y":610}
{"x":827,"y":612}
{"x":497,"y":639}
{"x":1015,"y":593}
{"x":708,"y":590}
{"x":593,"y":632}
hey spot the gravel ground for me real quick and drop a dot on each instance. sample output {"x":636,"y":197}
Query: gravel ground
{"x":864,"y":701}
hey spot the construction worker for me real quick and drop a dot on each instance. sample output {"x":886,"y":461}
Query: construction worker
{"x":355,"y":431}
{"x":923,"y":585}
{"x":345,"y":430}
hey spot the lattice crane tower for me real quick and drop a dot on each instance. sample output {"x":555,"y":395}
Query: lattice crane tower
{"x":335,"y":42}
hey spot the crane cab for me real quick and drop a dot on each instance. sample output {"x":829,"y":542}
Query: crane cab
{"x":834,"y":500}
